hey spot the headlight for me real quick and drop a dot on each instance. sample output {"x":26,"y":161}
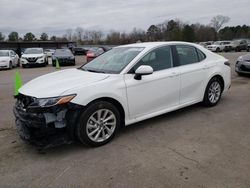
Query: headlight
{"x":23,"y":58}
{"x":48,"y":102}
{"x":39,"y":57}
{"x":240,"y":58}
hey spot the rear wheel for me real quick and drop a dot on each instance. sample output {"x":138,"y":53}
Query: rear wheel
{"x":213,"y":92}
{"x":98,"y":124}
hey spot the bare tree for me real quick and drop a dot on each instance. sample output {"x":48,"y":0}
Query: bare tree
{"x":79,"y":34}
{"x":96,"y":36}
{"x":69,"y":33}
{"x":218,"y":21}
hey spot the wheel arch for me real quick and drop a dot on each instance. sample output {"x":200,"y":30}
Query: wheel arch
{"x":220,"y":77}
{"x":116,"y":103}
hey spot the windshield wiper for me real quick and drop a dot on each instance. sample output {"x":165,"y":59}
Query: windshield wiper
{"x":97,"y":71}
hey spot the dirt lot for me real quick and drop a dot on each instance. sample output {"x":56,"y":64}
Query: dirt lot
{"x":192,"y":147}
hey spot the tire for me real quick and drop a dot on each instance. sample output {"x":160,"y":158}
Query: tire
{"x":217,"y":50}
{"x":24,"y":66}
{"x":211,"y":90}
{"x":90,"y":131}
{"x":240,"y":74}
{"x":10,"y":65}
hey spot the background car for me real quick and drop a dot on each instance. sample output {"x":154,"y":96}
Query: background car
{"x":79,"y":51}
{"x":242,"y":65}
{"x":218,"y":46}
{"x":64,"y":57}
{"x":95,"y":52}
{"x":49,"y":52}
{"x":8,"y":59}
{"x":33,"y":56}
{"x":239,"y":45}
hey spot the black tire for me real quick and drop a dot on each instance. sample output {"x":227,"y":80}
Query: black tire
{"x":217,"y":50}
{"x":240,"y":74}
{"x":10,"y":65}
{"x":81,"y":128}
{"x":24,"y":65}
{"x":206,"y":100}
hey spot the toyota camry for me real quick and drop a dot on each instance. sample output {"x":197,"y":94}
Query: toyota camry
{"x":123,"y":86}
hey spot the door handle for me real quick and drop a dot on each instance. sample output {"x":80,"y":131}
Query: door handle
{"x":206,"y":67}
{"x":173,"y":74}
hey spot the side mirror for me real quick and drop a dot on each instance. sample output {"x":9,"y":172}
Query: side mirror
{"x":143,"y":70}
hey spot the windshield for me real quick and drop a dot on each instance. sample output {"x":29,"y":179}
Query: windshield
{"x":63,"y":52}
{"x":113,"y":61}
{"x":217,"y":43}
{"x":33,"y":51}
{"x":4,"y":53}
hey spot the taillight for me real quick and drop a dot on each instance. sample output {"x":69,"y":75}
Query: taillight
{"x":90,"y":54}
{"x":227,"y":63}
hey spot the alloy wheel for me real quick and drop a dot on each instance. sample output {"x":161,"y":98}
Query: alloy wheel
{"x":101,"y":125}
{"x":214,"y":92}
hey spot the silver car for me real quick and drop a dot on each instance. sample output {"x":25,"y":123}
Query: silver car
{"x":242,"y":65}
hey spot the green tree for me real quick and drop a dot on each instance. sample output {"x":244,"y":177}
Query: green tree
{"x":53,"y":38}
{"x":29,"y":37}
{"x":188,"y":34}
{"x":153,"y":33}
{"x":44,"y":37}
{"x":13,"y":36}
{"x":173,"y":30}
{"x":2,"y":37}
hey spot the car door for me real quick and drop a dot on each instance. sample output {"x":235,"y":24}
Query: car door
{"x":193,"y":73}
{"x":157,"y":91}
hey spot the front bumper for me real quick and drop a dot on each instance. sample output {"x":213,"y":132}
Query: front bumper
{"x":38,"y":127}
{"x":32,"y":61}
{"x":64,"y":61}
{"x":4,"y":65}
{"x":242,"y":67}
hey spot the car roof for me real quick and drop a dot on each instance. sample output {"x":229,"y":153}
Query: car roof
{"x":156,"y":44}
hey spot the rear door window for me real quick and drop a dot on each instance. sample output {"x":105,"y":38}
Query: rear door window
{"x":188,"y":55}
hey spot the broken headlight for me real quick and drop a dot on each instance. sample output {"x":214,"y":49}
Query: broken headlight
{"x":48,"y":102}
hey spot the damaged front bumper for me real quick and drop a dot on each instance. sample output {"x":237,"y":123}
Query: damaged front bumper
{"x":45,"y":127}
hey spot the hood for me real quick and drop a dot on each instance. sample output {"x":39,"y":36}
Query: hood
{"x":4,"y":59}
{"x":245,"y":57}
{"x":213,"y":45}
{"x":62,"y":56}
{"x":55,"y":84}
{"x":32,"y":55}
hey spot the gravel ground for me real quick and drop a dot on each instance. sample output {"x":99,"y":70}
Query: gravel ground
{"x":191,"y":147}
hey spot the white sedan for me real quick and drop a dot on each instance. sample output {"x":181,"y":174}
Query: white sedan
{"x":125,"y":85}
{"x":8,"y":59}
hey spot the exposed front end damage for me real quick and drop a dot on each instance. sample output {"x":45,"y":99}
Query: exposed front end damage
{"x":45,"y":126}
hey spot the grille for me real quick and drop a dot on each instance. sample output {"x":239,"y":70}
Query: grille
{"x":32,"y":59}
{"x":244,"y":68}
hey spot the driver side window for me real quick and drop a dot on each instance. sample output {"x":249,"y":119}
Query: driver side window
{"x":158,"y":59}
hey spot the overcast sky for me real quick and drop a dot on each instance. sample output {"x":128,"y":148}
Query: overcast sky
{"x":55,"y":16}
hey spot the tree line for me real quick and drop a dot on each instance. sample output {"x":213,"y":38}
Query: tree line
{"x":171,"y":30}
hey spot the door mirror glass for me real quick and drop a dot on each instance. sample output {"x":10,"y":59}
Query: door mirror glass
{"x":143,"y":70}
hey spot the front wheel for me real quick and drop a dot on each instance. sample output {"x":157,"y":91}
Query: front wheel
{"x":213,"y":92}
{"x":98,"y":124}
{"x":10,"y":65}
